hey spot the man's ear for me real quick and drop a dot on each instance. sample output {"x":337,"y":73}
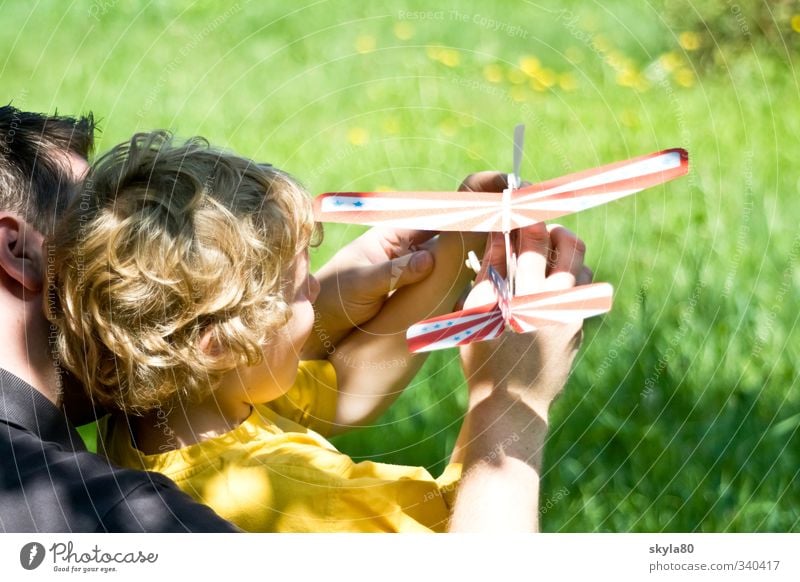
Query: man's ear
{"x":21,"y":252}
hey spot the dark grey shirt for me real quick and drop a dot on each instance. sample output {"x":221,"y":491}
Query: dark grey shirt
{"x":49,"y":482}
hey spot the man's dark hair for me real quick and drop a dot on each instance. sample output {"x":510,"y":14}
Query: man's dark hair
{"x":35,"y":179}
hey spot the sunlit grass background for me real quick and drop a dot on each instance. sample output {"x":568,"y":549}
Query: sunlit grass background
{"x":682,"y":412}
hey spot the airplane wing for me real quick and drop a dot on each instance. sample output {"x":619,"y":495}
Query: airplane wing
{"x":530,"y":312}
{"x":484,"y":212}
{"x":449,"y":211}
{"x":590,"y":188}
{"x":526,"y":313}
{"x":456,"y":329}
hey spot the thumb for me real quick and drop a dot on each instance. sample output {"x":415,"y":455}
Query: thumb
{"x":383,"y":278}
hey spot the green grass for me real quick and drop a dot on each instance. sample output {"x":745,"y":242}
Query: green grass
{"x":682,"y":413}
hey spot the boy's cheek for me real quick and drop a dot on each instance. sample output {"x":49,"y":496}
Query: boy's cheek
{"x":302,"y":324}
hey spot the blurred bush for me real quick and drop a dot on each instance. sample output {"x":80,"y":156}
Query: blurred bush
{"x":713,"y":31}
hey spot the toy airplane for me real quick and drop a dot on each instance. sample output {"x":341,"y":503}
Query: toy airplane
{"x":515,"y":207}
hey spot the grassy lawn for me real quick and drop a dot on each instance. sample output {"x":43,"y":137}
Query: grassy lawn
{"x":683,"y":411}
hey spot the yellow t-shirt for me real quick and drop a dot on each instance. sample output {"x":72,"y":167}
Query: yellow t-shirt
{"x":272,"y":474}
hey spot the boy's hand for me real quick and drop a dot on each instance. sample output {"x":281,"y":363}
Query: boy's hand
{"x":358,"y":279}
{"x":356,"y":282}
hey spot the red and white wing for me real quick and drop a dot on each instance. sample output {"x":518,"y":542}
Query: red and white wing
{"x":590,"y":188}
{"x":456,"y":329}
{"x":530,"y":312}
{"x":456,"y":211}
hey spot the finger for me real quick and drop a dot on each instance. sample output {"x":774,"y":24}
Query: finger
{"x":397,"y":242}
{"x":559,"y":281}
{"x":488,"y":181}
{"x":533,"y":243}
{"x":568,"y":251}
{"x":402,"y":239}
{"x":462,"y":299}
{"x":483,"y":291}
{"x":376,"y":281}
{"x":494,"y":255}
{"x":585,"y":276}
{"x":411,"y":268}
{"x":481,"y":294}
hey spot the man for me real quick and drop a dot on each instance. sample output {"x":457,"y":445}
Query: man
{"x":48,"y":480}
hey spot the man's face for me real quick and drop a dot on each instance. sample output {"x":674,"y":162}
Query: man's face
{"x":72,"y":395}
{"x":78,"y":167}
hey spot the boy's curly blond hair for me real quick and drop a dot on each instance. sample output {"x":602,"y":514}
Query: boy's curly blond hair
{"x":166,"y":245}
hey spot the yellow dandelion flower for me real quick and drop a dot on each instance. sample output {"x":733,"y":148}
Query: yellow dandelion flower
{"x":466,"y":121}
{"x":567,"y":81}
{"x":516,"y":76}
{"x":450,"y":58}
{"x":448,"y":127}
{"x":619,"y":61}
{"x":574,"y":54}
{"x":537,"y":85}
{"x":357,"y":136}
{"x":629,"y":118}
{"x":403,"y":30}
{"x":547,"y":77}
{"x":642,"y":84}
{"x":689,"y":41}
{"x":391,"y":125}
{"x":670,"y":61}
{"x":529,"y":65}
{"x":365,"y":44}
{"x":684,"y":77}
{"x":600,"y":42}
{"x":493,"y":73}
{"x":796,"y":23}
{"x":519,"y":93}
{"x":434,"y":52}
{"x":627,"y":78}
{"x":589,"y":22}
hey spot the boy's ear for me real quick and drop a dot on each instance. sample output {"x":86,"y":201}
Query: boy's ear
{"x":21,"y":252}
{"x":209,"y":344}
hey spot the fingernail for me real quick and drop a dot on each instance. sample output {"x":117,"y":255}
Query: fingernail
{"x":421,"y":261}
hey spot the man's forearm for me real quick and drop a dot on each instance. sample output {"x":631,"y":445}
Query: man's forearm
{"x":500,"y":446}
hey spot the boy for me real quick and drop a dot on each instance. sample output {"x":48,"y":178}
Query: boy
{"x":184,"y":299}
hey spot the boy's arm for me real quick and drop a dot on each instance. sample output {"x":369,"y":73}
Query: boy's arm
{"x":512,"y":382}
{"x":373,"y":364}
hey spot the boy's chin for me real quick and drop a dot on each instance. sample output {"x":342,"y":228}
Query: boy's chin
{"x":278,"y":388}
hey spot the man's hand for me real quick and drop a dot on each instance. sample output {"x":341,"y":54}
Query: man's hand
{"x":512,"y":381}
{"x":536,"y":364}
